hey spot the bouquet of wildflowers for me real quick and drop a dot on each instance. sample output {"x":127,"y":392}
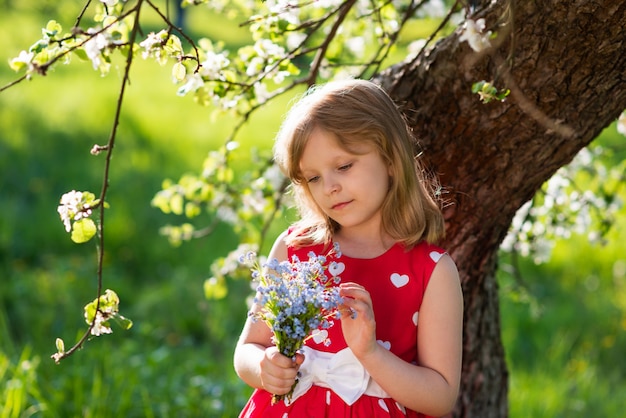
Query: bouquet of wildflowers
{"x":297,"y":299}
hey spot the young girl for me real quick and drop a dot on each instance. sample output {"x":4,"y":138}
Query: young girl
{"x":396,"y":351}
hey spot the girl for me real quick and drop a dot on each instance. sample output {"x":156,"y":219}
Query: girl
{"x":396,"y":351}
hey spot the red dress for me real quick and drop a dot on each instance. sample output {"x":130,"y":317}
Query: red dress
{"x":396,"y":281}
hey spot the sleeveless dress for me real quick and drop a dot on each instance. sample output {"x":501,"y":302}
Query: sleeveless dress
{"x":332,"y":383}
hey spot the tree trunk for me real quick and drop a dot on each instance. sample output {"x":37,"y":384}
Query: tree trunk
{"x":565,"y":63}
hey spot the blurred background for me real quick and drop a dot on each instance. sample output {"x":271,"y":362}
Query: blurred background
{"x":563,"y":321}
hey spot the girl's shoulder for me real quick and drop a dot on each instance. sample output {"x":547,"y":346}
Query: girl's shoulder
{"x":279,"y":249}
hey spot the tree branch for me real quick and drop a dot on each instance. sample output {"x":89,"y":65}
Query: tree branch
{"x":105,"y":186}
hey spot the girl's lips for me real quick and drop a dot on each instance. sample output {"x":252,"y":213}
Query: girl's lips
{"x":341,"y":205}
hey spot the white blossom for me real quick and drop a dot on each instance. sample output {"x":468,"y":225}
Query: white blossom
{"x":99,"y":326}
{"x":325,"y":4}
{"x":473,"y":34}
{"x":356,"y":45}
{"x":226,"y":103}
{"x":153,"y":43}
{"x":227,"y":214}
{"x":433,"y":8}
{"x":274,"y":176}
{"x":94,"y":47}
{"x":266,"y":48}
{"x":542,"y":250}
{"x":72,"y":208}
{"x":621,"y":123}
{"x":194,"y":82}
{"x":213,"y":65}
{"x":254,"y":66}
{"x":232,"y":145}
{"x":23,"y":59}
{"x":285,"y":10}
{"x":415,"y":47}
{"x":294,"y":39}
{"x":261,"y":93}
{"x":254,"y":202}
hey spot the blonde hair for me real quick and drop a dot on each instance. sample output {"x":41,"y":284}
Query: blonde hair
{"x":357,"y":112}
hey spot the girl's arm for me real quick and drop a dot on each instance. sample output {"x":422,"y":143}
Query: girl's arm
{"x":430,"y":387}
{"x":256,"y":360}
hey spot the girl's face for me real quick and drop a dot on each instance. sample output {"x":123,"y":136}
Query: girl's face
{"x":348,"y":187}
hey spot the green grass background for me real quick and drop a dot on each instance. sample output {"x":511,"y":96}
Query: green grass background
{"x":563,"y":329}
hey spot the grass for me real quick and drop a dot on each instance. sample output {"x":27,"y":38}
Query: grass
{"x":563,"y":330}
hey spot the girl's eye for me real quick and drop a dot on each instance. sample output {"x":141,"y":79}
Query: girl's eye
{"x":345,"y":167}
{"x":312,"y":179}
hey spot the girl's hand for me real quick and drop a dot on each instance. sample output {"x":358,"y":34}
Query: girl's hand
{"x":278,"y":372}
{"x":357,"y":319}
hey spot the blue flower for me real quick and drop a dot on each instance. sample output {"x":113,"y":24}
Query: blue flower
{"x":296,"y":298}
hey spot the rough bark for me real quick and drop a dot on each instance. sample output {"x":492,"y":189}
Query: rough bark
{"x":565,"y":62}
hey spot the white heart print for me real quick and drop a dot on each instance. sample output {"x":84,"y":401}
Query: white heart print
{"x":336,"y":269}
{"x":435,"y":256}
{"x":319,"y":335}
{"x":385,"y":344}
{"x":399,"y":280}
{"x":415,"y":318}
{"x":383,"y":405}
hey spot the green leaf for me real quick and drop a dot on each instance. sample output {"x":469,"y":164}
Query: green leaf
{"x":173,"y":46}
{"x":17,"y":65}
{"x":52,"y":28}
{"x":89,"y":198}
{"x":192,"y":210}
{"x":81,"y":54}
{"x":83,"y":230}
{"x":122,"y":321}
{"x":90,"y":311}
{"x":225,"y":175}
{"x":161,"y":201}
{"x":60,"y":345}
{"x":38,"y":46}
{"x":179,"y":71}
{"x":177,"y":204}
{"x":109,"y":301}
{"x":478,"y":86}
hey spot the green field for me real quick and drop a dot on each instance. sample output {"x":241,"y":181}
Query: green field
{"x":564,"y":324}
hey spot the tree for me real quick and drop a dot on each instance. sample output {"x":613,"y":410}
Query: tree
{"x":564,"y":66}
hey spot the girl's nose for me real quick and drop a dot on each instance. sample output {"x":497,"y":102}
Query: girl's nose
{"x":332,"y":185}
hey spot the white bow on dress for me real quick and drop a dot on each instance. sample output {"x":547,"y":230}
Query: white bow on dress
{"x":342,"y":372}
